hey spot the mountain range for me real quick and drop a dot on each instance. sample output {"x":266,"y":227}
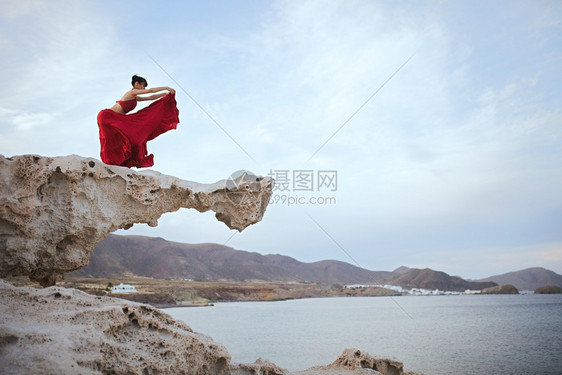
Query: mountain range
{"x":155,"y":257}
{"x":528,"y":279}
{"x":118,"y":256}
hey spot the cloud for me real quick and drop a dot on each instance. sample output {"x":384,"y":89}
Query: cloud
{"x":25,"y":121}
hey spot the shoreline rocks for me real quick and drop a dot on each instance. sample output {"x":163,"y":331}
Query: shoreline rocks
{"x":56,"y":330}
{"x":65,"y":331}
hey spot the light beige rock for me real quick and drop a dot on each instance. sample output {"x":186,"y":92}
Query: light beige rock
{"x":53,"y":211}
{"x":65,"y":331}
{"x":259,"y":367}
{"x":356,"y":362}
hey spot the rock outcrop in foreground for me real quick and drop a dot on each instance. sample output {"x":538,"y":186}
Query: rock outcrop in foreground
{"x":356,"y":362}
{"x":53,"y":211}
{"x":57,"y":330}
{"x":65,"y":331}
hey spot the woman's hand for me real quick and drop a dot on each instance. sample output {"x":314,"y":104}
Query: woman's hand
{"x":171,"y":90}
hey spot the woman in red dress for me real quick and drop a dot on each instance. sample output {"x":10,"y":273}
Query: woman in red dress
{"x":123,"y":136}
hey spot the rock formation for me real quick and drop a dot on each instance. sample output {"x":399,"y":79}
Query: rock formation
{"x":53,"y":211}
{"x":64,"y":331}
{"x":356,"y":362}
{"x":57,"y":330}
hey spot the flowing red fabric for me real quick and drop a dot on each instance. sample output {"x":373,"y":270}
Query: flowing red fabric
{"x":123,"y":137}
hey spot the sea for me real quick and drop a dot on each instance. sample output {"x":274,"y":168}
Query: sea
{"x":452,"y":334}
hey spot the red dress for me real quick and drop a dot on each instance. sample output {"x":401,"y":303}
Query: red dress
{"x":123,"y":137}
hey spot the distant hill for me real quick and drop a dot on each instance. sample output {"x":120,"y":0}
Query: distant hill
{"x":430,"y":279}
{"x":118,"y":256}
{"x":155,"y":257}
{"x":528,"y":279}
{"x":401,"y":270}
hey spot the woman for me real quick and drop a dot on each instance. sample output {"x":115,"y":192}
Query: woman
{"x":123,"y":136}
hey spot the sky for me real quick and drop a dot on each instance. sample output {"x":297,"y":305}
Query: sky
{"x":416,"y":133}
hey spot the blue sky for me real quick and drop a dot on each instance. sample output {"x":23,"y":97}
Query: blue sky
{"x":452,"y":161}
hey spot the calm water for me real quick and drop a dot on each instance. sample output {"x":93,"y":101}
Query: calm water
{"x":507,"y":334}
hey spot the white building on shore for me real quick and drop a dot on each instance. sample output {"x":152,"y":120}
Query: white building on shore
{"x":124,"y":288}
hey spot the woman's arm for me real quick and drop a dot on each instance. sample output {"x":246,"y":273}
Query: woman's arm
{"x":151,"y":97}
{"x":152,"y":90}
{"x":133,"y":94}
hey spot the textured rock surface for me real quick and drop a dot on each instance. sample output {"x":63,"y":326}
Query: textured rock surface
{"x":353,"y":361}
{"x":259,"y":367}
{"x":65,"y":331}
{"x":53,"y":211}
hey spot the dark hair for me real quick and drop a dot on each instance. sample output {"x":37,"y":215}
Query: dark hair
{"x":139,"y":79}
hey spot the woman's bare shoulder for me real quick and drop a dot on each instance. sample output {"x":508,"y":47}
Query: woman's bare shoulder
{"x":131,"y":94}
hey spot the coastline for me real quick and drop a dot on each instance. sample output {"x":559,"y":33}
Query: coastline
{"x":165,"y":294}
{"x":160,"y":293}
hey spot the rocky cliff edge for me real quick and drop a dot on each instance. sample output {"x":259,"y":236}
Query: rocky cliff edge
{"x":53,"y":211}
